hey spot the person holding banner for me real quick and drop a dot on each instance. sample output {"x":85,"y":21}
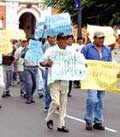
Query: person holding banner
{"x":31,"y":62}
{"x":58,"y":88}
{"x":95,"y":100}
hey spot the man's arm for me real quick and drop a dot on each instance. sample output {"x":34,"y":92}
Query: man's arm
{"x":84,"y":51}
{"x":47,"y":63}
{"x":110,"y":56}
{"x":45,"y":60}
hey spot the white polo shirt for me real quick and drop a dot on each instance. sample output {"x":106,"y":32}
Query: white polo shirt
{"x":48,"y":55}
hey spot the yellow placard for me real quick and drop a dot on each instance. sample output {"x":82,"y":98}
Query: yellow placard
{"x":17,"y":34}
{"x":6,"y":36}
{"x":5,"y":44}
{"x":102,"y":76}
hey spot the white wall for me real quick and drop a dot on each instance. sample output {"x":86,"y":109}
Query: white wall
{"x":11,"y":15}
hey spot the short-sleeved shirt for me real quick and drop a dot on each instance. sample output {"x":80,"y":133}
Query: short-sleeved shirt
{"x":90,"y":52}
{"x":46,"y":57}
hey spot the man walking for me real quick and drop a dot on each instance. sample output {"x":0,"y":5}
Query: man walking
{"x":58,"y":88}
{"x":50,"y":42}
{"x":95,"y":100}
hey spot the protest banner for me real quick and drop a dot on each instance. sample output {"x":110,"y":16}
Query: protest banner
{"x":54,"y":25}
{"x":107,"y":30}
{"x":102,"y":76}
{"x":5,"y":44}
{"x":34,"y":52}
{"x":58,"y":23}
{"x":68,"y":65}
{"x":17,"y":34}
{"x":40,"y":30}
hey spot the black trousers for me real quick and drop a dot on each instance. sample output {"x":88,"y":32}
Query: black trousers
{"x":70,"y":87}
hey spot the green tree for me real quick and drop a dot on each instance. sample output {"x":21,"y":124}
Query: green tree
{"x":103,"y":12}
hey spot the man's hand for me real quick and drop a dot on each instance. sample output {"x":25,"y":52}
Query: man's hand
{"x":47,"y":63}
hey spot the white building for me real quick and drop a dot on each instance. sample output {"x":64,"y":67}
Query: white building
{"x":23,"y":14}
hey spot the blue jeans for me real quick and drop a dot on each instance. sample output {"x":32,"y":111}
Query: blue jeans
{"x":46,"y":90}
{"x":8,"y":77}
{"x":30,"y":80}
{"x":94,"y":106}
{"x":22,"y":81}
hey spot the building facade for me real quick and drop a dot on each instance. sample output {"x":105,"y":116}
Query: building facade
{"x":23,"y":14}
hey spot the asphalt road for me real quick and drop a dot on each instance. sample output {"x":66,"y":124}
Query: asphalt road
{"x":18,"y":119}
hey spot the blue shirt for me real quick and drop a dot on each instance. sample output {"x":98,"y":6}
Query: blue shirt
{"x":90,"y":52}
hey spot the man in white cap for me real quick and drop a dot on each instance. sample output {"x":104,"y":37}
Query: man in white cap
{"x":94,"y":106}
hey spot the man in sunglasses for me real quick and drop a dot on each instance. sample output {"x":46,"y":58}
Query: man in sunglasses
{"x":95,"y":100}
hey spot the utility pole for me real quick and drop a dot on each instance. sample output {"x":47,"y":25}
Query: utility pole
{"x":79,"y":17}
{"x":79,"y":14}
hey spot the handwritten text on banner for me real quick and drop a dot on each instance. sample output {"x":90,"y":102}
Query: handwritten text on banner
{"x":68,"y":66}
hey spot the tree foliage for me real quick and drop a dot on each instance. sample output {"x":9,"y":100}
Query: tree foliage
{"x":100,"y":12}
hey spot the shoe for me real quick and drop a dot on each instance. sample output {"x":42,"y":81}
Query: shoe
{"x":69,"y":95}
{"x":88,"y":126}
{"x":63,"y":129}
{"x":25,"y":96}
{"x":4,"y":95}
{"x":0,"y":106}
{"x":40,"y":95}
{"x":28,"y":101}
{"x":7,"y":94}
{"x":32,"y":101}
{"x":50,"y":124}
{"x":99,"y":126}
{"x":46,"y":109}
{"x":22,"y":93}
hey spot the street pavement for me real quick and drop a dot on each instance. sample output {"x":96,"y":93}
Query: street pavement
{"x":18,"y":119}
